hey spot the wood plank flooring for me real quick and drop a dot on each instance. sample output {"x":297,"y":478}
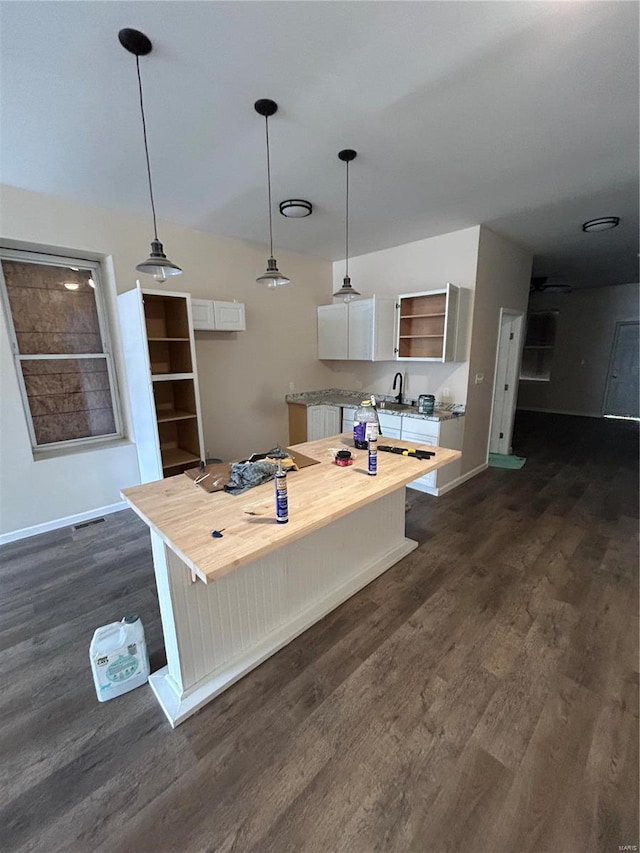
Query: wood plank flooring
{"x":482,"y":695}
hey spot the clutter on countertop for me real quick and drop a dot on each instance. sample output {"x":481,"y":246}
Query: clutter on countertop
{"x":238,"y":476}
{"x":337,"y":397}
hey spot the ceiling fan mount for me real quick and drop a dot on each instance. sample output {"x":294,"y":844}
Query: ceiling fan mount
{"x":541,"y":284}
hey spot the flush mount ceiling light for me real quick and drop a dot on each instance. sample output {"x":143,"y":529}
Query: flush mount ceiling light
{"x":605,"y":223}
{"x":346,"y":292}
{"x":272,"y":277}
{"x":157,"y":264}
{"x":296,"y":208}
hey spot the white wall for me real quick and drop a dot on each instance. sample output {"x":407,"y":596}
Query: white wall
{"x":243,"y":376}
{"x":584,"y":339}
{"x":424,"y":265}
{"x":503,"y":280}
{"x":493,"y":272}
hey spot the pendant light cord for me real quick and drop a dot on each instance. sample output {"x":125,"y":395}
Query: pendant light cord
{"x":347,"y":229}
{"x":146,"y":149}
{"x":266,"y":124}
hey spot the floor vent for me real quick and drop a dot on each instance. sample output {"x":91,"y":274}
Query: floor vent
{"x":84,"y":524}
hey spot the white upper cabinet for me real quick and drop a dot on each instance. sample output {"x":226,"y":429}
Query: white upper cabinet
{"x":217,"y":316}
{"x":361,"y":330}
{"x":427,"y":325}
{"x":333,"y":331}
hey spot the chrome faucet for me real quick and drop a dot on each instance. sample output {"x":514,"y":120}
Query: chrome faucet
{"x":395,"y":379}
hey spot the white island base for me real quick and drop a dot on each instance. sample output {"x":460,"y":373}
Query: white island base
{"x":217,"y":632}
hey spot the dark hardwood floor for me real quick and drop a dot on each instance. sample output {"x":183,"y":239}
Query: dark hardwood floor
{"x":482,"y":695}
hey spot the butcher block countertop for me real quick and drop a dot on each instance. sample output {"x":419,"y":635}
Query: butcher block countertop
{"x":184,"y":515}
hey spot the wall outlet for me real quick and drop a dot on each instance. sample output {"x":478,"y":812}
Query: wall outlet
{"x":292,"y":386}
{"x":445,"y":393}
{"x":479,"y":378}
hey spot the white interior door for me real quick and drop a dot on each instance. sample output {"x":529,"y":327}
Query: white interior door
{"x":621,"y":395}
{"x":505,"y":389}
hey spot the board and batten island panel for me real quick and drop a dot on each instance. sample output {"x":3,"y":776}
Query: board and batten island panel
{"x":229,"y":603}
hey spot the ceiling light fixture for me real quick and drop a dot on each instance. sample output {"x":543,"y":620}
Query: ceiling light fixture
{"x":296,"y":208}
{"x":157,"y":264}
{"x":346,"y":292}
{"x":605,"y":223}
{"x":272,"y":277}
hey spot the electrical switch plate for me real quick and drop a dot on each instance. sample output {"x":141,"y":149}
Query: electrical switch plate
{"x":292,"y":386}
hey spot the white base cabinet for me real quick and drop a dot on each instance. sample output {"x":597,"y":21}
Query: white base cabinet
{"x":362,"y":330}
{"x":438,"y":434}
{"x":447,"y":433}
{"x":322,"y":422}
{"x":390,"y":425}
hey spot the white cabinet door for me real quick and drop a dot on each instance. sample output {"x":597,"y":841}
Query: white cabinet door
{"x":390,"y":425}
{"x":428,"y":432}
{"x":363,"y":330}
{"x":202,"y":313}
{"x":360,"y":330}
{"x":429,"y":481}
{"x":333,"y":331}
{"x":229,"y":316}
{"x":447,"y":433}
{"x":212,"y":315}
{"x":322,"y":421}
{"x":347,"y":419}
{"x":383,"y":328}
{"x":332,"y":420}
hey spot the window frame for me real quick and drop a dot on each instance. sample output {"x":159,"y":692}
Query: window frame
{"x":96,"y":268}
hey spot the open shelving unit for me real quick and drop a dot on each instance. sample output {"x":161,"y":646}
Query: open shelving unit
{"x":427,"y":325}
{"x":161,"y":369}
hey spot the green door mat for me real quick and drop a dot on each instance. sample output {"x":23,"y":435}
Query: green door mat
{"x":500,"y":460}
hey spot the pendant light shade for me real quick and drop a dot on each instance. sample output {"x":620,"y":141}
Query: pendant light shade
{"x":272,"y":277}
{"x":157,"y":264}
{"x":347,"y":292}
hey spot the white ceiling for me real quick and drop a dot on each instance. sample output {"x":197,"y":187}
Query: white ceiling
{"x":519,"y":115}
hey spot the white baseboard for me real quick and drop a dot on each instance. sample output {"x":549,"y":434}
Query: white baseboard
{"x":57,"y":523}
{"x":560,"y":412}
{"x":462,"y":479}
{"x":447,"y":488}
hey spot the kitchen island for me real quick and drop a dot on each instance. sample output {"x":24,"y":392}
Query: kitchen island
{"x":229,"y":603}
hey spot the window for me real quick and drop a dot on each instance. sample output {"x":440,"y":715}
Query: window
{"x":538,"y":346}
{"x":57,"y":326}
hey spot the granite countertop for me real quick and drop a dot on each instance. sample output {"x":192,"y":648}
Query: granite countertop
{"x":338,"y":397}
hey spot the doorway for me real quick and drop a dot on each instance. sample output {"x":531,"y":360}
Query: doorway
{"x":621,"y":393}
{"x":505,"y":388}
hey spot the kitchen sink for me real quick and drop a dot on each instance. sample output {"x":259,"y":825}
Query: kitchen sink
{"x":395,"y":407}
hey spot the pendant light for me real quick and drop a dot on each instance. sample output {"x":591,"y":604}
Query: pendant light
{"x":272,"y":277}
{"x":157,"y":264}
{"x":346,"y":292}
